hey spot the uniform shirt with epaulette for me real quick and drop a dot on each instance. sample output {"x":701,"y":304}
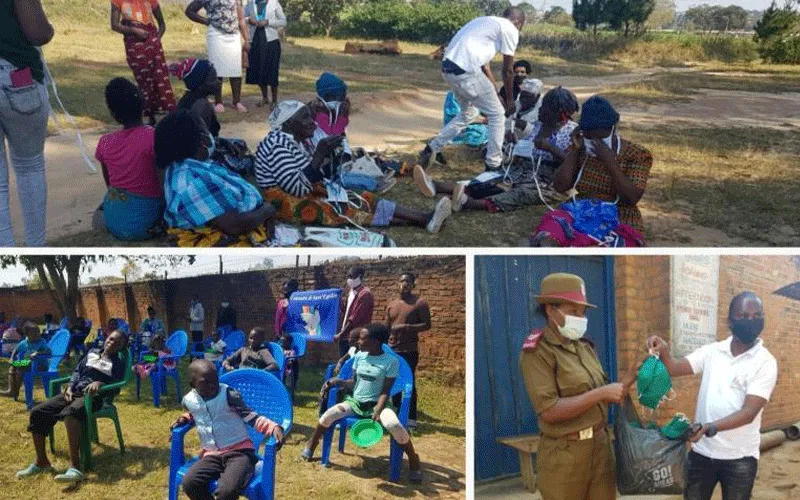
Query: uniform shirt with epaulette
{"x":553,"y":370}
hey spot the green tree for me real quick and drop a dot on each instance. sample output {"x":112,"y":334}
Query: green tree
{"x":324,"y":14}
{"x":663,"y":15}
{"x":131,"y":271}
{"x":558,"y":16}
{"x":778,"y":34}
{"x":492,"y":7}
{"x":60,"y":274}
{"x":589,"y":13}
{"x":624,"y":15}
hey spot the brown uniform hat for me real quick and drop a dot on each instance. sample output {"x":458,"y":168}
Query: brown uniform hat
{"x":561,"y":288}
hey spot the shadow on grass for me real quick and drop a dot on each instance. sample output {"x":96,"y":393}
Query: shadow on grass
{"x":428,"y":424}
{"x":436,"y":478}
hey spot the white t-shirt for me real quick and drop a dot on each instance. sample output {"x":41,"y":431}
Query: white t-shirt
{"x":726,"y":382}
{"x":478,"y":41}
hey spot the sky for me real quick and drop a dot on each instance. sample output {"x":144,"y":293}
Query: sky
{"x":681,"y":5}
{"x":204,"y":264}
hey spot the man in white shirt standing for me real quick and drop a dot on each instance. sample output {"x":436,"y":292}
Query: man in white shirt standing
{"x":466,"y":67}
{"x":197,"y":319}
{"x":738,"y":377}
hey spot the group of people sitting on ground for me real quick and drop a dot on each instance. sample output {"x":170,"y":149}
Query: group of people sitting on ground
{"x":534,"y":152}
{"x":548,"y":158}
{"x":182,"y":178}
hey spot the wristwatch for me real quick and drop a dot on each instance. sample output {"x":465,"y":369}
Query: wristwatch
{"x":711,"y":431}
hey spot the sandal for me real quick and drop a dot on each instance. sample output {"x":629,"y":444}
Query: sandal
{"x":72,"y":475}
{"x":33,"y":470}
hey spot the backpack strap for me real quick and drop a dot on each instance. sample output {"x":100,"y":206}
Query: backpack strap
{"x":532,"y":340}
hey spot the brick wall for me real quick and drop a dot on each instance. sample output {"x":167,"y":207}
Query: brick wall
{"x":440,"y":280}
{"x":643,"y":309}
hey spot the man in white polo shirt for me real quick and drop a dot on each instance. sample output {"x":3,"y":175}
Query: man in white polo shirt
{"x":466,"y":67}
{"x":738,"y":377}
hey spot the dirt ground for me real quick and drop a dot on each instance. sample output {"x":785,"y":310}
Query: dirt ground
{"x":402,"y":120}
{"x":778,"y":479}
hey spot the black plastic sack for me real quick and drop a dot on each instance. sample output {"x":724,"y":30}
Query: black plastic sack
{"x":647,"y":462}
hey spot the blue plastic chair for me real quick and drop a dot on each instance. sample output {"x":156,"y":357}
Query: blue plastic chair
{"x":177,"y":343}
{"x":404,"y":383}
{"x":277,"y":352}
{"x":58,"y":349}
{"x":299,"y":346}
{"x":266,"y":396}
{"x":234,"y":340}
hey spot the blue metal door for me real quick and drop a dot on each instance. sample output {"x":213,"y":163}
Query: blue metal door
{"x":505,"y":313}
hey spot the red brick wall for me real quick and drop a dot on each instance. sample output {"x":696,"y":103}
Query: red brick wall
{"x":643,"y":309}
{"x":440,"y":280}
{"x":27,"y":304}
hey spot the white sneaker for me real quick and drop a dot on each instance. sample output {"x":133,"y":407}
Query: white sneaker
{"x":424,"y":182}
{"x":459,"y":197}
{"x":443,"y":210}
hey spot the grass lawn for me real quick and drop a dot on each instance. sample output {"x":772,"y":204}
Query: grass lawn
{"x":740,"y":179}
{"x":143,"y":470}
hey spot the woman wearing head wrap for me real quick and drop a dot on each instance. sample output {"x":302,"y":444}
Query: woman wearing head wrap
{"x":207,"y":204}
{"x":331,"y":108}
{"x":548,"y":139}
{"x":520,"y":124}
{"x":201,"y":81}
{"x":264,"y":18}
{"x":291,"y":164}
{"x":601,"y":166}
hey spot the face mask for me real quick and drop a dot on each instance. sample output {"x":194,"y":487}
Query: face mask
{"x":608,"y":141}
{"x":574,"y":327}
{"x":225,"y":304}
{"x":353,"y":283}
{"x":212,"y":147}
{"x":747,"y":330}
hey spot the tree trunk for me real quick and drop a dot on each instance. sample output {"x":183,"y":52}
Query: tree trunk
{"x":627,"y":26}
{"x":63,"y":290}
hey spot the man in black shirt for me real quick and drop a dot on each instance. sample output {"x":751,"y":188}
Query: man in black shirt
{"x":226,"y":315}
{"x":97,"y":368}
{"x":521,"y":71}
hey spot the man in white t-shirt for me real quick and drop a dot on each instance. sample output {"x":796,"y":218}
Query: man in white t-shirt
{"x":466,"y":67}
{"x":738,"y":377}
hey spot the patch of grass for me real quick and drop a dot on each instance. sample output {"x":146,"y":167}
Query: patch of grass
{"x":142,"y":471}
{"x":740,"y":181}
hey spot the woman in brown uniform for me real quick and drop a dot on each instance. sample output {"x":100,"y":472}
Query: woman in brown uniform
{"x":570,"y":393}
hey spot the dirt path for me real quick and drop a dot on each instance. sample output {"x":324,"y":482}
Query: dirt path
{"x":402,"y":120}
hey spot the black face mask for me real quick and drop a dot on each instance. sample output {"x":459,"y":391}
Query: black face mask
{"x":747,"y":330}
{"x":518,"y":79}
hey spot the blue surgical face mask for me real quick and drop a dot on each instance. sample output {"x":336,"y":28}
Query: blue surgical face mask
{"x":213,"y":147}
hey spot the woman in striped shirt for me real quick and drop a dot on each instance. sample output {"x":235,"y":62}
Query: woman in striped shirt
{"x":290,"y":165}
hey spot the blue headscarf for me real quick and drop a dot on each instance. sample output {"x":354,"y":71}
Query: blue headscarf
{"x":328,"y":83}
{"x":597,"y":114}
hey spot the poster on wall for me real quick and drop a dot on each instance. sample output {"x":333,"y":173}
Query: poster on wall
{"x":694,"y":296}
{"x":315,"y":314}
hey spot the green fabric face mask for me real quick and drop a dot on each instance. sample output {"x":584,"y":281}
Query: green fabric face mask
{"x":653,"y":382}
{"x":677,"y":428}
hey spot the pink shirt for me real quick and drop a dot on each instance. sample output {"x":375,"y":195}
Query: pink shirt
{"x":128,"y":157}
{"x":339,"y":127}
{"x":281,"y":314}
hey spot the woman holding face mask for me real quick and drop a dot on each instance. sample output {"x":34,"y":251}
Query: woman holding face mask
{"x":603,"y":166}
{"x":570,"y":394}
{"x":331,"y":108}
{"x":606,"y":177}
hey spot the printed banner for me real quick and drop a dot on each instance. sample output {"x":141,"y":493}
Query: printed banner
{"x":315,"y":313}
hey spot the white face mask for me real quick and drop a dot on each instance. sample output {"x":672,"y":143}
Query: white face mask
{"x":574,"y":327}
{"x":332,"y":105}
{"x":353,"y":283}
{"x":225,"y":304}
{"x":608,"y":141}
